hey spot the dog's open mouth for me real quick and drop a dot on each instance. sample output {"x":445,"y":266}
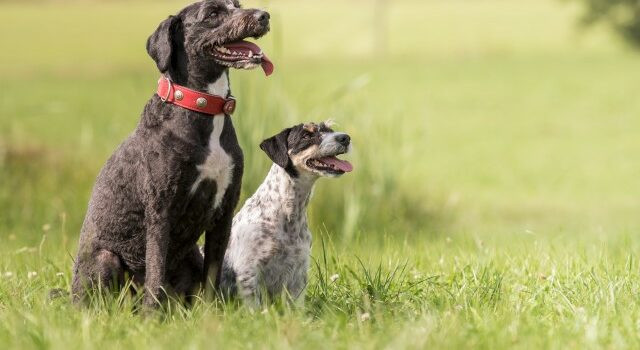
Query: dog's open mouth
{"x":330,"y":164}
{"x":243,"y":54}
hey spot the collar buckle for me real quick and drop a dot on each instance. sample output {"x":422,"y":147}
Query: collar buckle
{"x":169,"y":87}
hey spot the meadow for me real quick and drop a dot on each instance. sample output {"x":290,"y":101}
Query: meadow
{"x":494,"y":201}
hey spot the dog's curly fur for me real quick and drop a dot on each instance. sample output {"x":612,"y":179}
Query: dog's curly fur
{"x":162,"y":188}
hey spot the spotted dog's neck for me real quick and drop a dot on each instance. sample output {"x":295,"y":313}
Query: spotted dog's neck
{"x":291,"y":194}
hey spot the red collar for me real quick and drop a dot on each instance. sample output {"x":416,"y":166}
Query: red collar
{"x":194,"y":100}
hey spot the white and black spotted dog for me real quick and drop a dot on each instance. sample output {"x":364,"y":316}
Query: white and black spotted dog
{"x":270,"y":240}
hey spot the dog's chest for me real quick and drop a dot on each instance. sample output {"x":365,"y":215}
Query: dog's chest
{"x":218,"y":164}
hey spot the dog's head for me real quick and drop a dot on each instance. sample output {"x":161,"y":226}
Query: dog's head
{"x":206,"y":38}
{"x":309,"y":149}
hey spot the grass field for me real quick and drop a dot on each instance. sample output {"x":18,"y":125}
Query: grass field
{"x":494,"y":202}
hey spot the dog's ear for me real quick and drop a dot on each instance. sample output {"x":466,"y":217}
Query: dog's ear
{"x":276,"y":148}
{"x":160,"y":43}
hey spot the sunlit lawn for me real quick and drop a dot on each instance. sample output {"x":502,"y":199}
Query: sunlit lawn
{"x":494,"y":202}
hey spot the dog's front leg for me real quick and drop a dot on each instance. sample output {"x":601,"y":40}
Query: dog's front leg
{"x":215,"y":244}
{"x":158,"y":231}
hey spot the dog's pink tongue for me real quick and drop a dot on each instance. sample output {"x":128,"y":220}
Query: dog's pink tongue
{"x":338,"y":163}
{"x":246,"y":46}
{"x":267,"y":65}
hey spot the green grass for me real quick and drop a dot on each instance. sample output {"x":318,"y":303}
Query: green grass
{"x":494,"y":202}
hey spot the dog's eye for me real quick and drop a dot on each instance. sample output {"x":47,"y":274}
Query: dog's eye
{"x":216,"y":11}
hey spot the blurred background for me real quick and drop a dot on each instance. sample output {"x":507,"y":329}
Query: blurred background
{"x":487,"y":118}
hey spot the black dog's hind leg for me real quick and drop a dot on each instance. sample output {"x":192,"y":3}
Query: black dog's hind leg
{"x":100,"y":269}
{"x":185,"y":280}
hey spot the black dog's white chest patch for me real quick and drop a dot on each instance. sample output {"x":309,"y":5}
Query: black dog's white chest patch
{"x":218,"y":166}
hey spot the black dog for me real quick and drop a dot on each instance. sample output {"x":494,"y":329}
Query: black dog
{"x":179,"y":174}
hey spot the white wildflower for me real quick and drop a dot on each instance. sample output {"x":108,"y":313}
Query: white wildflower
{"x":334,"y":278}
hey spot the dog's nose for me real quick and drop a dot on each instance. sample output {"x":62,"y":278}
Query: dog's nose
{"x":343,"y":139}
{"x":262,"y":17}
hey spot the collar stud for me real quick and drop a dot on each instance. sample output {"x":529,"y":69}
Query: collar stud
{"x":201,"y":102}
